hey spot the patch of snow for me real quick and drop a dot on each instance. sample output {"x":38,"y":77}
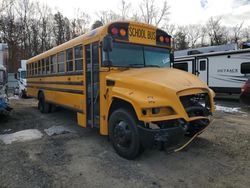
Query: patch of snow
{"x":228,"y":109}
{"x":55,"y":130}
{"x":21,"y":136}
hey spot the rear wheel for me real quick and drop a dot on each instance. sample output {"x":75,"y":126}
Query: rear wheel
{"x":43,"y":106}
{"x":124,"y":134}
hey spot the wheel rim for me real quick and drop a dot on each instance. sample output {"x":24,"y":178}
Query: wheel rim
{"x":122,"y":135}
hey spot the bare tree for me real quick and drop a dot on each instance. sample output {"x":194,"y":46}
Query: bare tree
{"x":11,"y":29}
{"x":5,"y":4}
{"x":81,"y":21}
{"x":180,"y":38}
{"x":45,"y":26}
{"x":235,"y":32}
{"x":216,"y":32}
{"x":203,"y":38}
{"x":245,"y":34}
{"x":97,"y":24}
{"x":152,"y":14}
{"x":58,"y":28}
{"x":106,"y":16}
{"x":169,"y":28}
{"x":193,"y":34}
{"x":124,"y":9}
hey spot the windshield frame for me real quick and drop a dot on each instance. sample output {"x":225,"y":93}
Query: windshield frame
{"x":144,"y":61}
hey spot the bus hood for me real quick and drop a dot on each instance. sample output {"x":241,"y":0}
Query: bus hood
{"x":157,"y":79}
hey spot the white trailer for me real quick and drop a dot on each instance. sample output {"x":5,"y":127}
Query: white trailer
{"x":224,"y":72}
{"x":21,"y":80}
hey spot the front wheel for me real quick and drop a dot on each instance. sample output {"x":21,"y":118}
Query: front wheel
{"x":124,"y":134}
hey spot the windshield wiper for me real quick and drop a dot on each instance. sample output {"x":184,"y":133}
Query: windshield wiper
{"x":136,"y":65}
{"x":152,"y":66}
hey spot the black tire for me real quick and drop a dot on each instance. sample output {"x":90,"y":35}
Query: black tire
{"x":124,"y":134}
{"x":43,"y":106}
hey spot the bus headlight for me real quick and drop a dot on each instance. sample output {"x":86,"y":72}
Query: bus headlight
{"x":158,"y":111}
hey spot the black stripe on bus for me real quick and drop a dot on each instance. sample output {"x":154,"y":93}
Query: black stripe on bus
{"x":59,"y":89}
{"x":78,"y":73}
{"x":59,"y":83}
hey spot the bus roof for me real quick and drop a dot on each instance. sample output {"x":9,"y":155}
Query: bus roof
{"x":100,"y":31}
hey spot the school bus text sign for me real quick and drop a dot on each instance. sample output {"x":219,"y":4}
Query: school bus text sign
{"x":141,"y":35}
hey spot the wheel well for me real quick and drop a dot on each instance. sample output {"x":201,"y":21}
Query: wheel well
{"x":119,"y":103}
{"x":40,"y":93}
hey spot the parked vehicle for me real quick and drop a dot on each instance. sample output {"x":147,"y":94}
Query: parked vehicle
{"x":224,"y":72}
{"x":245,"y":93}
{"x":21,"y":88}
{"x":4,"y":106}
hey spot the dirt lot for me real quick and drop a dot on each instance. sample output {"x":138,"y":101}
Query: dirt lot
{"x":220,"y":157}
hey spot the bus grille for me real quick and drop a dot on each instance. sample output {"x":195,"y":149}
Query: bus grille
{"x":196,"y":104}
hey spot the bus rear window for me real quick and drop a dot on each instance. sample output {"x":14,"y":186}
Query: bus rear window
{"x":245,"y":68}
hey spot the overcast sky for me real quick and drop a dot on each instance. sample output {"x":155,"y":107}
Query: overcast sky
{"x":181,"y":11}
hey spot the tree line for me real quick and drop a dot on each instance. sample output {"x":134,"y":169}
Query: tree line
{"x":30,"y":28}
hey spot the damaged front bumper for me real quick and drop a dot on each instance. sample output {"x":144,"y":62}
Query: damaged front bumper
{"x":173,"y":139}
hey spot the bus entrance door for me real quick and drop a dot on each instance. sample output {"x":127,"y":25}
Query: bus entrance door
{"x":92,"y":85}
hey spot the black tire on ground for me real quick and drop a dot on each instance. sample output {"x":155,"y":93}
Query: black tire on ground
{"x":43,"y":106}
{"x":123,"y":133}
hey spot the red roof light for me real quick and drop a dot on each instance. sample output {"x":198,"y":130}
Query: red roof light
{"x":167,"y":39}
{"x":114,"y":31}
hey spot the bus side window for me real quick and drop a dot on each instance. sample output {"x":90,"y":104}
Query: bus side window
{"x":245,"y":68}
{"x":35,"y":68}
{"x":78,"y":58}
{"x":53,"y":64}
{"x":43,"y":66}
{"x":47,"y":65}
{"x":69,"y":60}
{"x":60,"y":62}
{"x":181,"y":66}
{"x":39,"y":68}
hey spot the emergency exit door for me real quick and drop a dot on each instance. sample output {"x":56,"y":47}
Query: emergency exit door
{"x":202,"y":69}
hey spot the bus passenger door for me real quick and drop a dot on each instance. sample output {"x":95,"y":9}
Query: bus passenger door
{"x":92,"y":84}
{"x":202,"y":69}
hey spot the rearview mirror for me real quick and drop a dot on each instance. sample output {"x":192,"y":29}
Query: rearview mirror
{"x":107,"y":44}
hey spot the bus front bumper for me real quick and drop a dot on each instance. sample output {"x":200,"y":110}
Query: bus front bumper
{"x":172,"y":139}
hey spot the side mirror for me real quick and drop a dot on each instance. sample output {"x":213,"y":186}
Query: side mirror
{"x":172,"y":57}
{"x":16,"y":76}
{"x":107,"y":43}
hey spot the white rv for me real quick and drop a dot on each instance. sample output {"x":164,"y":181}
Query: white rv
{"x":21,"y":80}
{"x":224,"y":72}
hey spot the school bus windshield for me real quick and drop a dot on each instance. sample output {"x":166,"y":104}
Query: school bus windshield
{"x":131,"y":55}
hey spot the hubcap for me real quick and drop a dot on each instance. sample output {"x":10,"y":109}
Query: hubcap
{"x":122,"y":134}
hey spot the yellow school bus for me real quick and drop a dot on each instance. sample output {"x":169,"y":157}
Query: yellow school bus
{"x":118,"y":78}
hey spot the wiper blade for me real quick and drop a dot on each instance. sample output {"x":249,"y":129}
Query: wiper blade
{"x":136,"y":65}
{"x":152,"y":66}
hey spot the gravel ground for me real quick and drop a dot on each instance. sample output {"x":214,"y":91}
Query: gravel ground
{"x":220,"y":157}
